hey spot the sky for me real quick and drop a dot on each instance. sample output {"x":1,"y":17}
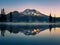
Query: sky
{"x":44,"y":6}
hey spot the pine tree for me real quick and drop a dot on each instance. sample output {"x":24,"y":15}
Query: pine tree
{"x":54,"y":19}
{"x":3,"y":16}
{"x":50,"y":18}
{"x":10,"y":16}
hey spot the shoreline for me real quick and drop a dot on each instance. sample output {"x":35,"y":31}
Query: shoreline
{"x":22,"y":23}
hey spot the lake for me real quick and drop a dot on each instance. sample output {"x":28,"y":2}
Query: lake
{"x":30,"y":34}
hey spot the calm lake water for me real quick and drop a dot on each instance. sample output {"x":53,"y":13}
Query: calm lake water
{"x":29,"y":34}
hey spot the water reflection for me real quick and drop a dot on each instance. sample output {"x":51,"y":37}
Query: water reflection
{"x":25,"y":29}
{"x":2,"y":28}
{"x":50,"y":27}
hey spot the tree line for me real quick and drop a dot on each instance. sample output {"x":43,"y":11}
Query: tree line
{"x":3,"y":17}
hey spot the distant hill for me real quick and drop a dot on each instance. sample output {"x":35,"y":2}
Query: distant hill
{"x":29,"y":15}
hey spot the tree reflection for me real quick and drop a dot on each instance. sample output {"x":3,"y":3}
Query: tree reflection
{"x":3,"y":29}
{"x":11,"y":29}
{"x":26,"y":30}
{"x":50,"y":28}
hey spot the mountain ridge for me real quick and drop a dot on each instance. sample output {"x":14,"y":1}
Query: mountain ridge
{"x":29,"y":15}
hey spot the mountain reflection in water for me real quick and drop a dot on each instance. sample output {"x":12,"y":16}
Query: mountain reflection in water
{"x":25,"y":29}
{"x":29,"y":34}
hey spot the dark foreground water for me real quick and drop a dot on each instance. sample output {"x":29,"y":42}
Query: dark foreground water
{"x":29,"y":34}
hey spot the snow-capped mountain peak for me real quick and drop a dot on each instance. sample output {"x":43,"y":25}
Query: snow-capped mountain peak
{"x":31,"y":12}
